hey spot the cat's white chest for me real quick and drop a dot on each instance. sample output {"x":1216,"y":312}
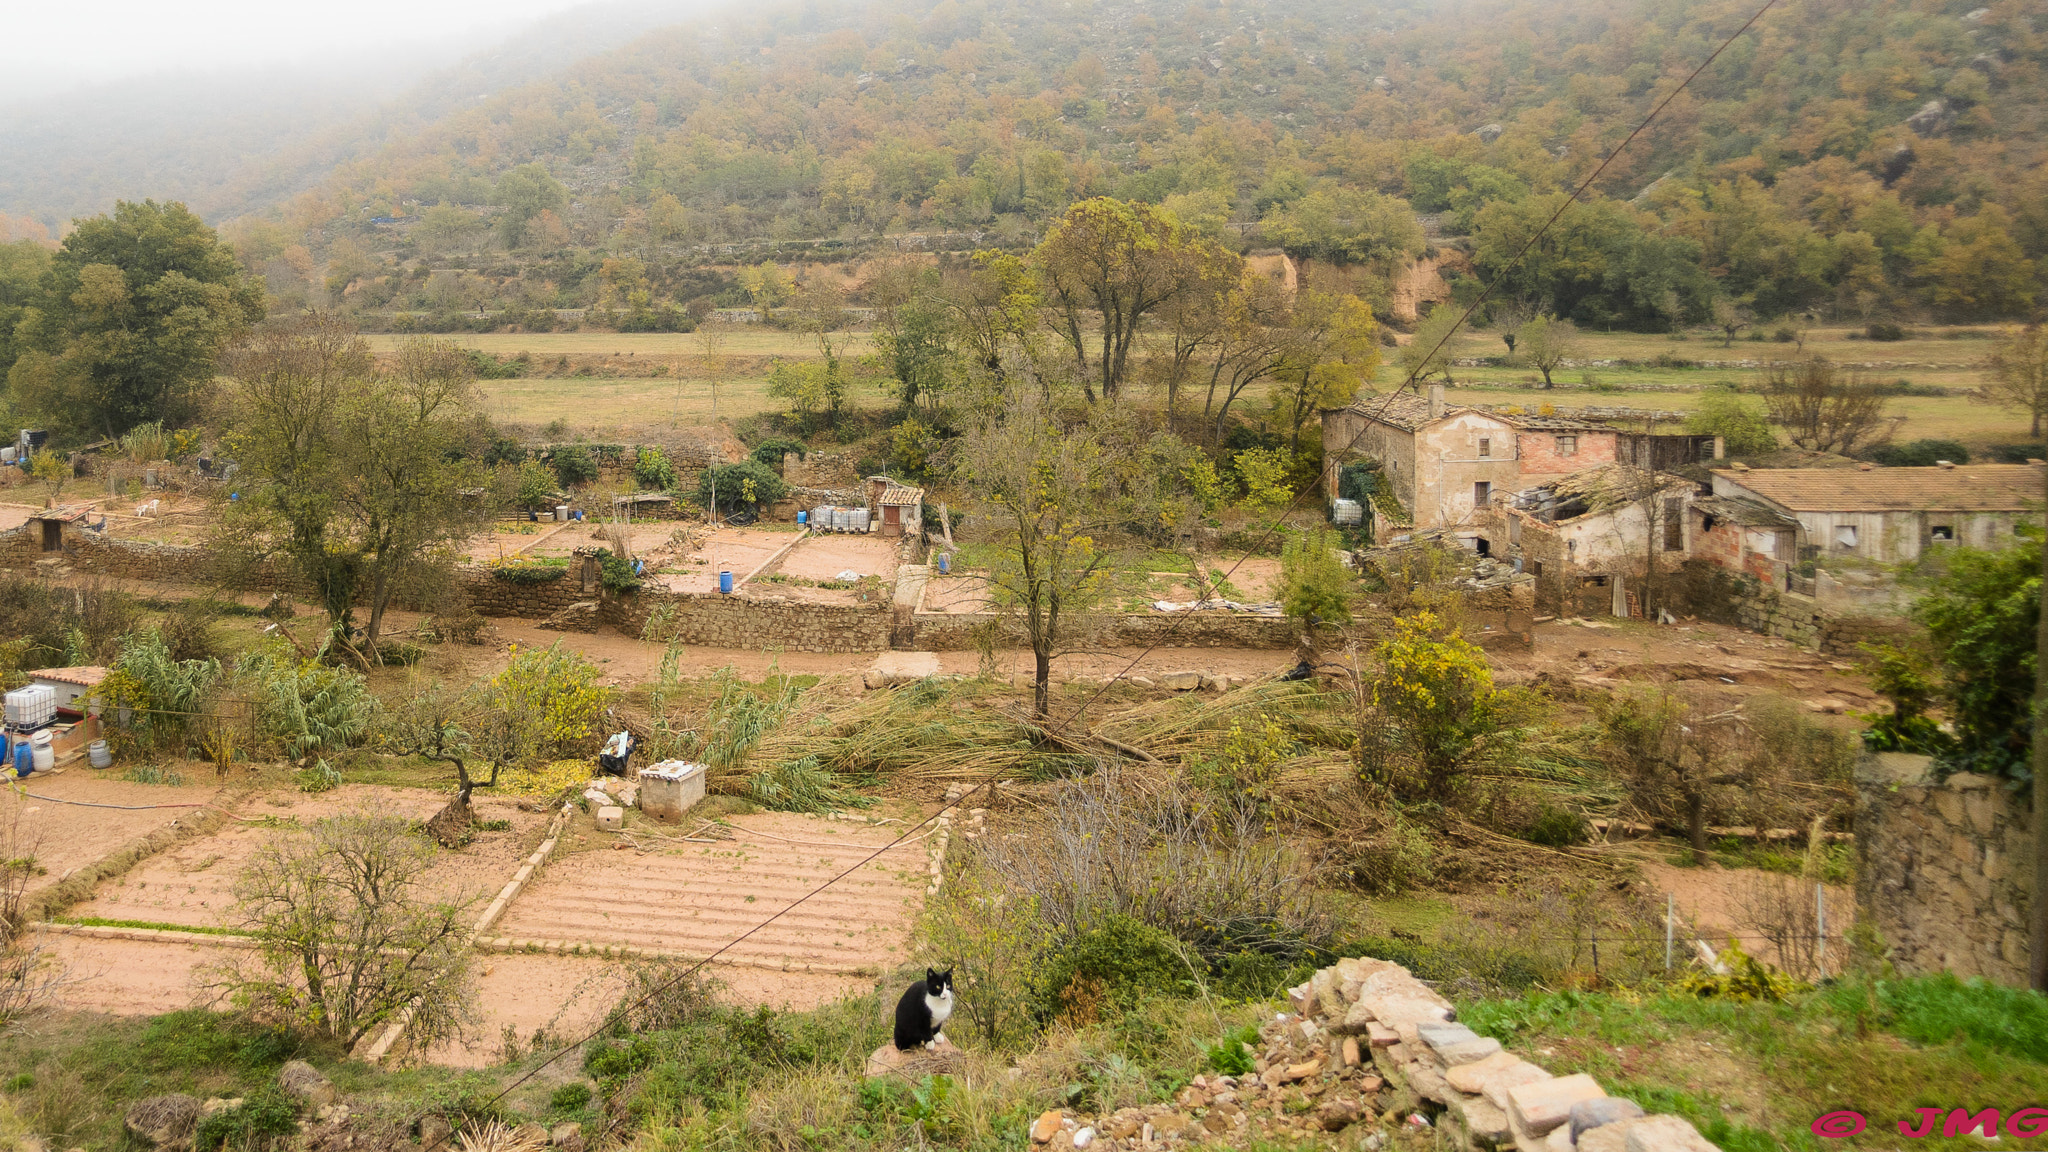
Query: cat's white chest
{"x":940,"y":1006}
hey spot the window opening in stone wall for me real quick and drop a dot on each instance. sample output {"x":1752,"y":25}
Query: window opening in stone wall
{"x":1482,"y":493}
{"x":1845,"y":536}
{"x":1485,"y":447}
{"x":1567,"y":445}
{"x":1942,"y":532}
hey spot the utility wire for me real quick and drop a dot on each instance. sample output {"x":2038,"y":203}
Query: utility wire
{"x":616,"y":1014}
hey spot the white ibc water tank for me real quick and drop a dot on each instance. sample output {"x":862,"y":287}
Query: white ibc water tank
{"x":842,"y":519}
{"x":31,"y":707}
{"x":821,"y":518}
{"x":860,"y":519}
{"x":1346,"y":512}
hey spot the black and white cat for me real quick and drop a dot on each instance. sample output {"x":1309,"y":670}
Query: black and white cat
{"x":923,"y":1011}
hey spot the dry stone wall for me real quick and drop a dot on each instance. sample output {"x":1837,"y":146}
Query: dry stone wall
{"x":1944,"y":868}
{"x":955,"y":631}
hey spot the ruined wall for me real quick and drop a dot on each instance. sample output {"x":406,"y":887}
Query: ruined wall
{"x":1944,"y":869}
{"x":953,"y":631}
{"x":99,"y":555}
{"x":1539,"y":455}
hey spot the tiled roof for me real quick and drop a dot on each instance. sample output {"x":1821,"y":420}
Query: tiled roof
{"x":84,"y":675}
{"x":898,"y":494}
{"x":1403,"y":410}
{"x":1964,"y":488}
{"x":1530,"y":422}
{"x":1736,"y":510}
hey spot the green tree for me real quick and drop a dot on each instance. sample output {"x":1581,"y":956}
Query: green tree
{"x":1442,"y":715}
{"x":1312,"y":580}
{"x":1053,"y":501}
{"x":356,"y":477}
{"x":131,"y":316}
{"x":1742,"y":424}
{"x":1437,"y":340}
{"x":914,"y":342}
{"x":1347,"y":226}
{"x":23,"y":264}
{"x":1981,"y":615}
{"x":1106,"y":265}
{"x":525,"y":192}
{"x":1547,"y":342}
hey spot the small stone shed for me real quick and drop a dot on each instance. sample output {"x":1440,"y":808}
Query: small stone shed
{"x":70,"y":684}
{"x":898,"y":508}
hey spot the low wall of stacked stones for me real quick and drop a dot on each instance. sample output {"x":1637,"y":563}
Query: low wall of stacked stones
{"x":98,"y":555}
{"x":957,"y":631}
{"x":1944,"y":869}
{"x":1366,"y":1043}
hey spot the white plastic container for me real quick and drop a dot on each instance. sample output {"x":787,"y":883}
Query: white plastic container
{"x":1346,"y":512}
{"x":561,"y":513}
{"x":98,"y":754}
{"x":44,"y":755}
{"x":670,"y":788}
{"x":821,"y":518}
{"x":7,"y":455}
{"x":860,"y":519}
{"x":32,"y":706}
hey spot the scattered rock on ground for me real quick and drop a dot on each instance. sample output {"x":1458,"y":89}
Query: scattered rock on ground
{"x":304,"y":1083}
{"x":164,"y":1121}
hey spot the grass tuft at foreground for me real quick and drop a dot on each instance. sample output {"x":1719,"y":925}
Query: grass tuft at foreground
{"x":1754,"y":1075}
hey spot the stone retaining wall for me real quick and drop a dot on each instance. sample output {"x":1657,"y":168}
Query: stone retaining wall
{"x":753,"y":621}
{"x":953,"y":631}
{"x":1944,"y":868}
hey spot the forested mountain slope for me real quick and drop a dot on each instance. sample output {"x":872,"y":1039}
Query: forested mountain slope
{"x":1860,"y":158}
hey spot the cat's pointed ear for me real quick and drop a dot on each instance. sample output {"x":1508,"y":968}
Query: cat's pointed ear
{"x":931,"y":976}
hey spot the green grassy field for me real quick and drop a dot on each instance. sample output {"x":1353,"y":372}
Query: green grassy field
{"x":674,"y":387}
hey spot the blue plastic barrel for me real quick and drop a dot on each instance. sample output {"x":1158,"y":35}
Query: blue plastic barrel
{"x":24,"y":758}
{"x":725,"y":582}
{"x":945,"y":563}
{"x":803,"y":517}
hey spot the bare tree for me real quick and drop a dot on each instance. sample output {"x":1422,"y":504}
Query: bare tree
{"x":711,"y":346}
{"x":1676,"y":763}
{"x":347,"y":939}
{"x":1054,"y":501}
{"x":2019,"y":373}
{"x":1826,"y":410}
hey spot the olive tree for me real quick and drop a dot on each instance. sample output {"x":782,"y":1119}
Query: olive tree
{"x":348,"y":937}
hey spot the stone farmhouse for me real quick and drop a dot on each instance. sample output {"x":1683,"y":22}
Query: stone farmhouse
{"x":1759,"y":518}
{"x":1443,"y":463}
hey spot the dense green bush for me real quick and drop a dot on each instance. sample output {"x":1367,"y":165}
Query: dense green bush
{"x":1880,"y":330}
{"x":771,"y":451}
{"x":740,"y":485}
{"x":1917,"y":454}
{"x":1117,"y":964}
{"x":573,"y":465}
{"x":653,"y":469}
{"x":264,"y":1115}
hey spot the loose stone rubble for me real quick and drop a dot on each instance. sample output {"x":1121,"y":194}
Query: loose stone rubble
{"x":1369,"y":1044}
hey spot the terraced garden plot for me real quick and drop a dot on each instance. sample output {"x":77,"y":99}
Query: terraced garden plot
{"x":690,"y":899}
{"x":192,"y":882}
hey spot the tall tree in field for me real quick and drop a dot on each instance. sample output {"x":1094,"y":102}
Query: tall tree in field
{"x":289,"y":384}
{"x":407,"y":444}
{"x":1112,"y":263}
{"x":1824,"y":409}
{"x":994,"y":305}
{"x":1436,"y":341}
{"x":131,"y":316}
{"x":2019,"y":373}
{"x":355,"y":477}
{"x":1547,"y":341}
{"x":1052,"y":500}
{"x":1336,"y":352}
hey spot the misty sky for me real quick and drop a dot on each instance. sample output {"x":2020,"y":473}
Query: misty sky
{"x":56,"y":46}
